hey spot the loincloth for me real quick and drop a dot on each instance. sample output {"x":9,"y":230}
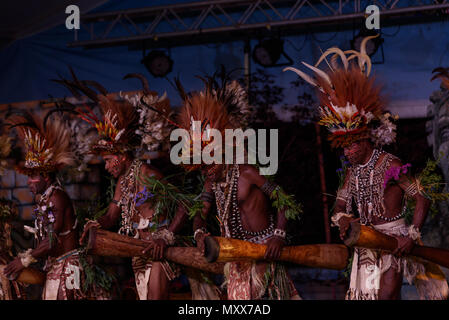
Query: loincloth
{"x":142,"y":266}
{"x":369,"y":265}
{"x":63,"y":277}
{"x":245,"y":282}
{"x":65,"y":280}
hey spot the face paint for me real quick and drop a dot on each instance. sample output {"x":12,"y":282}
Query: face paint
{"x":115,"y":163}
{"x":36,"y":184}
{"x":358,"y":152}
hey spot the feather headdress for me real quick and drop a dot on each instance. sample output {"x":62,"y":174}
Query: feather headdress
{"x":132,"y":123}
{"x":219,"y":106}
{"x":118,"y":123}
{"x":351,"y":106}
{"x":47,"y":145}
{"x":155,"y":124}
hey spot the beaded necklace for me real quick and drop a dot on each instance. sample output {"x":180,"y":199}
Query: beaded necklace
{"x":366,"y":188}
{"x":223,"y":198}
{"x":229,"y":213}
{"x":44,"y":213}
{"x":128,"y":188}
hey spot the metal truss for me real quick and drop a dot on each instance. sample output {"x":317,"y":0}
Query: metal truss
{"x":212,"y":21}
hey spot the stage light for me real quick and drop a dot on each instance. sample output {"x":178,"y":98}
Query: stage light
{"x":158,"y":63}
{"x":268,"y":52}
{"x":371,"y":46}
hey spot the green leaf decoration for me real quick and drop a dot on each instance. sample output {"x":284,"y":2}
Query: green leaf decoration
{"x":284,"y":201}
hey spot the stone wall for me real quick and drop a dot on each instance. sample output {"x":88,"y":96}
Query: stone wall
{"x":14,"y":186}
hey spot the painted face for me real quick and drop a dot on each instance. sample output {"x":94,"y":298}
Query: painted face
{"x":355,"y":153}
{"x":37,"y":184}
{"x":114,"y":165}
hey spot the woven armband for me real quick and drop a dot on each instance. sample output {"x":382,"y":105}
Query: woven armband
{"x":207,"y":197}
{"x":198,"y":231}
{"x":412,"y":190}
{"x":268,"y":187}
{"x":280,"y":233}
{"x":343,"y":194}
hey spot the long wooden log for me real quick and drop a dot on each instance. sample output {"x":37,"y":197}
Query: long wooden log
{"x":329,"y":256}
{"x":105,"y":243}
{"x":367,"y":237}
{"x":28,"y":276}
{"x":32,"y":276}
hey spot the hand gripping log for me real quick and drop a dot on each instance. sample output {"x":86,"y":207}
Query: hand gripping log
{"x":29,"y":276}
{"x":105,"y":243}
{"x":366,"y":237}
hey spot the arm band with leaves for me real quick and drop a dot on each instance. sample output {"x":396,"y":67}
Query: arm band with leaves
{"x":282,"y":200}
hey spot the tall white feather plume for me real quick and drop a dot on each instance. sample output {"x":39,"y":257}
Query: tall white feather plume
{"x":337,"y":52}
{"x":319,"y":72}
{"x":306,"y":77}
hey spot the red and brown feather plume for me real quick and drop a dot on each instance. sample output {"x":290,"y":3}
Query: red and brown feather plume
{"x":47,"y":147}
{"x":119,"y":121}
{"x":351,"y":104}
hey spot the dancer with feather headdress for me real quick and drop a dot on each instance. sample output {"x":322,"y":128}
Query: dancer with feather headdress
{"x":352,"y":109}
{"x":48,"y":150}
{"x":122,"y":131}
{"x":240,"y":193}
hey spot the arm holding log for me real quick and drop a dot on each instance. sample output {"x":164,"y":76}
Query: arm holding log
{"x":23,"y":260}
{"x":164,"y":236}
{"x":277,"y":242}
{"x":158,"y":245}
{"x":341,"y":218}
{"x":199,"y":221}
{"x":411,"y":189}
{"x":109,"y":219}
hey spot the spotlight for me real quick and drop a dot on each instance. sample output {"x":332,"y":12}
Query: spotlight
{"x":158,"y":63}
{"x":371,"y":46}
{"x":268,"y":52}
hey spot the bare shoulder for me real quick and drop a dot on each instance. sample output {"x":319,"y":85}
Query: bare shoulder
{"x":248,"y":170}
{"x":150,"y":171}
{"x":395,"y":162}
{"x":60,"y":198}
{"x":251,"y":173}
